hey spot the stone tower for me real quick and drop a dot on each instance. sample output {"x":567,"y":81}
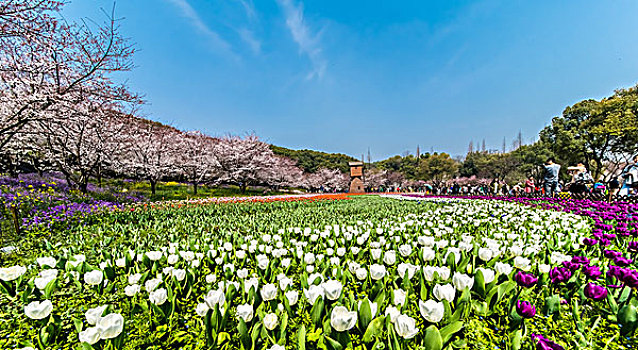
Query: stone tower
{"x":356,"y":177}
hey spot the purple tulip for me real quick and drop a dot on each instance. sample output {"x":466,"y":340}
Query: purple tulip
{"x":590,"y":241}
{"x":595,"y":292}
{"x":572,"y":266}
{"x":611,"y":254}
{"x":633,"y":246}
{"x":580,"y":260}
{"x":525,"y":309}
{"x":543,"y":343}
{"x":560,"y":275}
{"x":526,"y":280}
{"x":622,"y":261}
{"x":604,"y":242}
{"x":592,"y":272}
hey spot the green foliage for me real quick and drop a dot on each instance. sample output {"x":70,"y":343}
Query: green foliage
{"x":311,"y":161}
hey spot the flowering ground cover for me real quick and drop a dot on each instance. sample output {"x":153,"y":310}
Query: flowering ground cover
{"x":363,"y":273}
{"x":46,"y":202}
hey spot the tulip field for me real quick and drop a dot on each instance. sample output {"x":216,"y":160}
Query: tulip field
{"x":343,"y":272}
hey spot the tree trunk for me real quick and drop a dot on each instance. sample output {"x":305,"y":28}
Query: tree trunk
{"x":244,"y":186}
{"x":83,"y":186}
{"x":153,"y":185}
{"x":195,"y":188}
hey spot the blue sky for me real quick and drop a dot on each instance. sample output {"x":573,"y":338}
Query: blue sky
{"x":342,"y":76}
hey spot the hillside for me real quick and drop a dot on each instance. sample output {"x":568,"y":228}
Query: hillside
{"x":311,"y":161}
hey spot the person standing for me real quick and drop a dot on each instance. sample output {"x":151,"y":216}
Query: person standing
{"x":551,"y":177}
{"x":529,"y":185}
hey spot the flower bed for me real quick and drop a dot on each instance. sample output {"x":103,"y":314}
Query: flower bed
{"x":365,"y":273}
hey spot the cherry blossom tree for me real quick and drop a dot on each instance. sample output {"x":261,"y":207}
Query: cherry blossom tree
{"x":199,"y":161}
{"x":50,"y":66}
{"x":244,"y":161}
{"x":153,"y":151}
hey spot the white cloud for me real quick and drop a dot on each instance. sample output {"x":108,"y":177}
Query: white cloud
{"x":249,"y":7}
{"x":217,"y":42}
{"x":249,"y":38}
{"x":308,"y":42}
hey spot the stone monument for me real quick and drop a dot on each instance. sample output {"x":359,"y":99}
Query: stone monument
{"x":356,"y":177}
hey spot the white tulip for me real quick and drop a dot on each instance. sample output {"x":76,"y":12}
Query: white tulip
{"x":361,"y":273}
{"x":134,"y":278}
{"x":154,"y":255}
{"x":485,"y":254}
{"x":46,"y":261}
{"x":522,"y":263}
{"x":375,"y":253}
{"x":444,"y":292}
{"x":292,"y":296}
{"x":377,"y":271}
{"x":313,"y":293}
{"x":120,"y":262}
{"x":8,"y":274}
{"x":269,"y":292}
{"x":270,"y":321}
{"x":462,"y":281}
{"x":215,"y":297}
{"x":201,"y":309}
{"x":242,"y":273}
{"x":77,"y":260}
{"x":93,"y":315}
{"x":38,"y":310}
{"x":405,"y":326}
{"x":405,"y":250}
{"x":342,"y":320}
{"x":488,"y":274}
{"x":428,"y":253}
{"x":431,"y":310}
{"x":393,"y":312}
{"x":245,"y":312}
{"x":90,"y":335}
{"x":390,"y":257}
{"x":110,"y":326}
{"x":341,"y":251}
{"x":94,"y":277}
{"x":402,"y":268}
{"x":312,"y":279}
{"x":44,"y":277}
{"x":158,"y":297}
{"x":444,"y":272}
{"x":277,"y":347}
{"x":179,"y":274}
{"x":332,"y":289}
{"x":544,"y":268}
{"x":398,"y":297}
{"x":309,"y":258}
{"x":211,"y":278}
{"x":172,"y":259}
{"x":132,"y":290}
{"x":503,"y":268}
{"x":151,"y":284}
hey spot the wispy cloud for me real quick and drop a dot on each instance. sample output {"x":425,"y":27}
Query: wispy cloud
{"x":216,"y":41}
{"x":249,"y":8}
{"x":308,"y":42}
{"x":249,"y":38}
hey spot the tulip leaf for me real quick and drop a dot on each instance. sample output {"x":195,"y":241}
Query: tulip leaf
{"x":552,"y":304}
{"x":448,"y":331}
{"x":374,"y":329}
{"x":316,"y":310}
{"x":365,"y":315}
{"x":77,"y":323}
{"x":628,"y":318}
{"x":515,"y":339}
{"x":432,"y":339}
{"x":283,"y":326}
{"x":301,"y":338}
{"x":243,"y":335}
{"x":332,"y":344}
{"x":479,"y":283}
